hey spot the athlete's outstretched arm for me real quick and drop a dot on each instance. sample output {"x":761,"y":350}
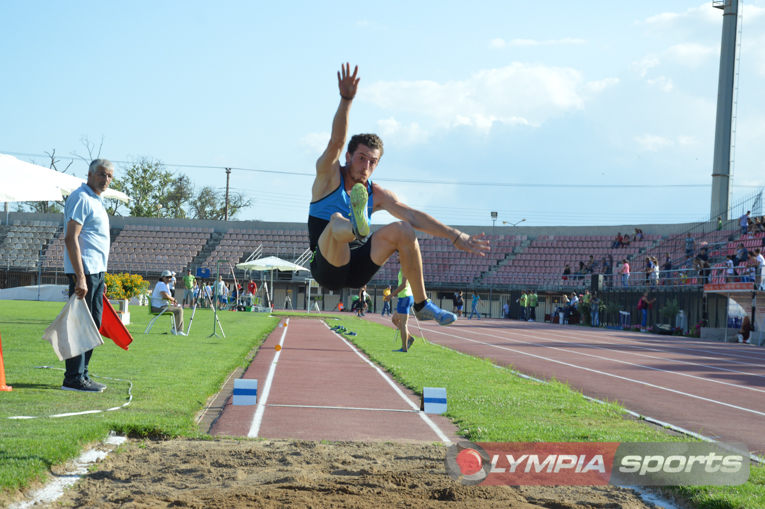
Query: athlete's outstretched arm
{"x":387,"y":200}
{"x":347,"y":84}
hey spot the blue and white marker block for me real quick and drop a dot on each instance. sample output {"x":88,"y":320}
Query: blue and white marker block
{"x":245,"y":391}
{"x":433,"y":400}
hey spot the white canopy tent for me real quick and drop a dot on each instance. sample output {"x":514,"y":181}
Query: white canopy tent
{"x":23,"y":181}
{"x":270,"y":263}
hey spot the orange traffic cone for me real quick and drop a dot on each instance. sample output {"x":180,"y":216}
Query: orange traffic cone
{"x":3,"y":387}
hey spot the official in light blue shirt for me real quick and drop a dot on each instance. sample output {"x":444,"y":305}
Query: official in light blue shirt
{"x":86,"y":208}
{"x":85,"y":259}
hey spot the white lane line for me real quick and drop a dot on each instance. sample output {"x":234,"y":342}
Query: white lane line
{"x":260,"y":408}
{"x":670,"y":347}
{"x":330,"y":407}
{"x":441,"y":435}
{"x":643,"y":366}
{"x":604,"y":373}
{"x":591,"y":343}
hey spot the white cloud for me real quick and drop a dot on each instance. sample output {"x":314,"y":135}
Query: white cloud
{"x":600,"y":85}
{"x":498,"y":43}
{"x":642,"y":66}
{"x":403,"y":134}
{"x":315,"y":142}
{"x":654,"y":143}
{"x":703,"y":12}
{"x":662,"y":82}
{"x":691,"y":54}
{"x":518,"y":94}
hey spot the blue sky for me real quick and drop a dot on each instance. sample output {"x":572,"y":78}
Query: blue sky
{"x":472,"y":98}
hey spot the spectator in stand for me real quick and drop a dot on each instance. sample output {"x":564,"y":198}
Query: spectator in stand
{"x":581,"y":271}
{"x":648,"y":269}
{"x":626,"y":240}
{"x":689,"y":245}
{"x":617,"y":241}
{"x":655,"y":272}
{"x":730,"y":273}
{"x":638,"y":234}
{"x":595,"y":310}
{"x":743,"y":222}
{"x":759,"y":223}
{"x":667,"y":268}
{"x":644,"y":304}
{"x":590,"y":265}
{"x":760,"y":268}
{"x":702,"y":265}
{"x":474,"y":307}
{"x":745,"y":331}
{"x":719,"y":223}
{"x":625,"y":272}
{"x":742,"y":255}
{"x":566,"y":272}
{"x":188,"y":288}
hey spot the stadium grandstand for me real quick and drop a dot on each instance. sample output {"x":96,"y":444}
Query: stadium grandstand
{"x":522,"y":258}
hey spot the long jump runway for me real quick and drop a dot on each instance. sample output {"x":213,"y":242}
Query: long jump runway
{"x":711,"y":388}
{"x":320,"y":387}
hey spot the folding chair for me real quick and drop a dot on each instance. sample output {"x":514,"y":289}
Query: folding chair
{"x":157,"y":315}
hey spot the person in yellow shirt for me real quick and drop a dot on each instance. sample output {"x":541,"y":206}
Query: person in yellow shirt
{"x":400,"y":318}
{"x":386,"y":301}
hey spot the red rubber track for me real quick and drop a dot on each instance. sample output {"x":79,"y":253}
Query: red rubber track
{"x":318,"y":368}
{"x":711,"y":388}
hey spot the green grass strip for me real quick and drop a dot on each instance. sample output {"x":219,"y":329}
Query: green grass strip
{"x":491,"y":404}
{"x":172,"y":376}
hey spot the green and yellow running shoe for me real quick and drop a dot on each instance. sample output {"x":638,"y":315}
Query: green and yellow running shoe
{"x":359,"y":198}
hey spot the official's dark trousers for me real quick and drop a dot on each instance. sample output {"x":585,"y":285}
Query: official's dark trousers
{"x":77,"y":367}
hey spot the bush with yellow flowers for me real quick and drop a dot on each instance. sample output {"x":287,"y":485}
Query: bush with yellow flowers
{"x":125,"y":286}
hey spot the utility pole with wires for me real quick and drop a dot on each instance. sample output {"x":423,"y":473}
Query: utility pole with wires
{"x":228,"y":178}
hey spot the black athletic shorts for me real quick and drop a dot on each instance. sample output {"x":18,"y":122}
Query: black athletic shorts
{"x":355,"y":274}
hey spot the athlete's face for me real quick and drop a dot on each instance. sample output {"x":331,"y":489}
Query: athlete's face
{"x":362,"y":163}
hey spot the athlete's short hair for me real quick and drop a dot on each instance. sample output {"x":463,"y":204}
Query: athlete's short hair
{"x":370,"y":140}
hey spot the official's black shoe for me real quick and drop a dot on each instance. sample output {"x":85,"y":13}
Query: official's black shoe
{"x":82,"y":385}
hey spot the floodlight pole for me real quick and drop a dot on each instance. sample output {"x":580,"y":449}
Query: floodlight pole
{"x":726,"y":84}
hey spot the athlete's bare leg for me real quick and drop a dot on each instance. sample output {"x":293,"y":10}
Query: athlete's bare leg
{"x":401,"y":237}
{"x":333,"y":241}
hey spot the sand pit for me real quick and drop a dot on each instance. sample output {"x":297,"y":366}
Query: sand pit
{"x":227,"y":473}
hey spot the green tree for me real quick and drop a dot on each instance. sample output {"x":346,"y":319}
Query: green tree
{"x":179,"y":193}
{"x":148,"y":184}
{"x":210,"y":204}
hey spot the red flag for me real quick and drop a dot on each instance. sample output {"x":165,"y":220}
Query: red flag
{"x":112,"y":327}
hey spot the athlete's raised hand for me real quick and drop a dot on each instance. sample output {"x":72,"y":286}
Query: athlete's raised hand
{"x":347,"y":82}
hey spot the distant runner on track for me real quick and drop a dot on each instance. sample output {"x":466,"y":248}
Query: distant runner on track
{"x":343,"y":199}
